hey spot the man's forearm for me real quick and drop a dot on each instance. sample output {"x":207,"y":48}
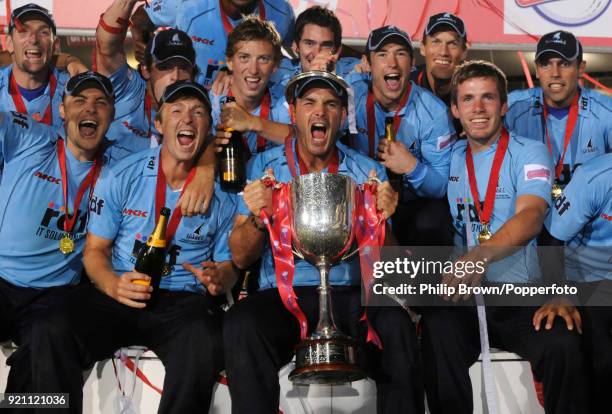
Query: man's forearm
{"x":246,"y":241}
{"x":516,"y":232}
{"x":273,"y":131}
{"x":99,"y":269}
{"x":110,"y":35}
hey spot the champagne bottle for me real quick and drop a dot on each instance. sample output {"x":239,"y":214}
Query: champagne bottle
{"x":152,"y":256}
{"x":232,"y":161}
{"x":394,"y":179}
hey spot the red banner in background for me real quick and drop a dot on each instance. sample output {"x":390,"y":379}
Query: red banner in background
{"x":490,"y":22}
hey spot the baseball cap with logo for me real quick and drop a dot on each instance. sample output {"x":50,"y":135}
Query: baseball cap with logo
{"x":87,"y":80}
{"x":169,"y":44}
{"x":184,"y":88}
{"x":300,"y":83}
{"x":444,"y":21}
{"x":20,"y":13}
{"x":561,"y":43}
{"x":379,"y":36}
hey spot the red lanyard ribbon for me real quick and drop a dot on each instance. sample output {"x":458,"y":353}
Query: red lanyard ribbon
{"x":20,"y":105}
{"x":332,"y":167}
{"x":88,"y":182}
{"x":225,"y":18}
{"x":160,"y":199}
{"x":279,"y":229}
{"x":370,"y":233}
{"x":572,"y":119}
{"x":484,"y":212}
{"x":371,"y":114}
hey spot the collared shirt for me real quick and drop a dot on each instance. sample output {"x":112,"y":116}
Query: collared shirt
{"x":592,"y":135}
{"x":425,"y":129}
{"x":526,"y":170}
{"x":351,"y":164}
{"x":128,"y":217}
{"x":32,"y":210}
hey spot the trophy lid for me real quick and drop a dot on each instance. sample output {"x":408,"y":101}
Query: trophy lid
{"x":300,"y":82}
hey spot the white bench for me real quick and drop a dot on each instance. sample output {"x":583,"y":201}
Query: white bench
{"x":513,"y":378}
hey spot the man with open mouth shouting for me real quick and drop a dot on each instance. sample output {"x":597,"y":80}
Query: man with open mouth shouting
{"x":45,"y":201}
{"x":423,"y":132}
{"x":260,"y":332}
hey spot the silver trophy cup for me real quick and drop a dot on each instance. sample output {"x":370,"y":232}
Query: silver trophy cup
{"x":322,"y":231}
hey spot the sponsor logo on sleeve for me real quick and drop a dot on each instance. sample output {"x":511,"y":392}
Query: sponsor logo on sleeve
{"x":537,"y":172}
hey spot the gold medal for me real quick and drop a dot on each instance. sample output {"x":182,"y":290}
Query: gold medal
{"x":556,"y":191}
{"x":66,"y":244}
{"x":485,"y":234}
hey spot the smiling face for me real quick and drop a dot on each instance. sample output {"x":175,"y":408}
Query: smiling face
{"x":390,"y":65}
{"x":318,"y":116}
{"x":479,"y":108}
{"x":315,"y":40}
{"x":184,"y":124}
{"x":87,"y":116}
{"x":32,"y":48}
{"x":559,"y":80}
{"x":252,"y":65}
{"x":443,"y":52}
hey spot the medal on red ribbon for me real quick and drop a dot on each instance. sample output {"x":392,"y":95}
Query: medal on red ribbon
{"x":572,"y":119}
{"x":66,"y":244}
{"x":485,"y":211}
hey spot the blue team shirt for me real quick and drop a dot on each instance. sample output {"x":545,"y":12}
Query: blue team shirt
{"x":32,"y":210}
{"x":526,"y":170}
{"x":425,"y":129}
{"x":351,"y":164}
{"x":127,"y":216}
{"x":201,"y":20}
{"x":592,"y":135}
{"x":131,"y":119}
{"x":582,"y":217}
{"x":279,"y":112}
{"x":37,"y":106}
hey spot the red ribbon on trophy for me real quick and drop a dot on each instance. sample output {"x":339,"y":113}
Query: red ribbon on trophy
{"x":369,"y":225}
{"x":279,"y":229}
{"x":370,"y":233}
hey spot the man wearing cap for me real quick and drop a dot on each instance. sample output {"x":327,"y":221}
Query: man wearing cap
{"x":183,"y":325}
{"x":208,"y":23}
{"x":575,"y":123}
{"x":583,"y":220}
{"x":259,"y":332}
{"x":423,"y":132}
{"x":31,"y":85}
{"x":444,"y":47}
{"x":169,"y":57}
{"x":253,"y":53}
{"x":48,"y":173}
{"x":498,"y":198}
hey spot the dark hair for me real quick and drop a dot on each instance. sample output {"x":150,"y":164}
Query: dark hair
{"x":479,"y":69}
{"x":319,"y":16}
{"x":253,"y":28}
